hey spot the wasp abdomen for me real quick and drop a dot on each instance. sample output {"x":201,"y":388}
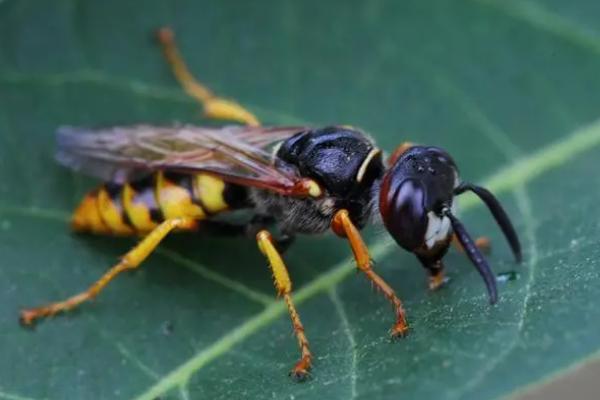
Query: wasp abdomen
{"x":139,"y":206}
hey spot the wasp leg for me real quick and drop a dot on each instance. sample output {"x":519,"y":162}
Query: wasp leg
{"x":436,"y":279}
{"x":283,"y":284}
{"x":261,"y":222}
{"x":343,"y":227}
{"x":250,"y":229}
{"x":435,"y":269}
{"x":131,"y":260}
{"x":214,"y":106}
{"x":483,"y":243}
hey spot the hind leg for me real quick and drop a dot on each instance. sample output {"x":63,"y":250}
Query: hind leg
{"x":214,"y":106}
{"x":129,"y":261}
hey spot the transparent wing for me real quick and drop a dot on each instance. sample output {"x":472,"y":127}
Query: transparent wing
{"x":237,"y":154}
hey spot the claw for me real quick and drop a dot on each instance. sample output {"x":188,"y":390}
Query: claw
{"x":399,"y":330}
{"x":27,"y":318}
{"x":484,"y":244}
{"x":301,"y":371}
{"x":437,"y":281}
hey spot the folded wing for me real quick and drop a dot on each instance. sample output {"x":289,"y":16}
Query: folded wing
{"x":236,"y":154}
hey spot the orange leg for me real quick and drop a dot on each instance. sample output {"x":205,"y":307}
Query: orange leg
{"x":483,"y":243}
{"x":283,"y":284}
{"x":435,"y":271}
{"x":436,"y":280}
{"x":343,"y":227}
{"x":131,"y":260}
{"x":214,"y":106}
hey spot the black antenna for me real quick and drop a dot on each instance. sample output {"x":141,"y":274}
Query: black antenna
{"x":499,"y":215}
{"x":474,"y":255}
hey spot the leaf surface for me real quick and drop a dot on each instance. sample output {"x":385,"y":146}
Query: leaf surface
{"x":510,"y":88}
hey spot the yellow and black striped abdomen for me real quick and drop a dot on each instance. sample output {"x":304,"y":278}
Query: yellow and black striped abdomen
{"x":138,"y":207}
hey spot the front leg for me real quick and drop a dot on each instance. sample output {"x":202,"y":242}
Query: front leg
{"x":435,"y":270}
{"x":343,"y":227}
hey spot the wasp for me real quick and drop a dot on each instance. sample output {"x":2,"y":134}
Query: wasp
{"x":296,"y":180}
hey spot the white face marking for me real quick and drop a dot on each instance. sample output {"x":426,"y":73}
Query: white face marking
{"x":437,"y":229}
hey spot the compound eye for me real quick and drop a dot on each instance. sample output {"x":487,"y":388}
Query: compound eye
{"x":403,"y":212}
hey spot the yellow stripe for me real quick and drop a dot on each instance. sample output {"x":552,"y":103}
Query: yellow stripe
{"x":138,"y":212}
{"x":111,"y":214}
{"x":87,"y":216}
{"x":175,"y":201}
{"x":209,"y":190}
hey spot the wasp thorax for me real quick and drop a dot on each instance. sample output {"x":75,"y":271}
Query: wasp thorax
{"x":338,"y":158}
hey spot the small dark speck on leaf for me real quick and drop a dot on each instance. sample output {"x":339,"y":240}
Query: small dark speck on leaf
{"x":167,"y":328}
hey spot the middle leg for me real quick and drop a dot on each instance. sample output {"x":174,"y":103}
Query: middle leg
{"x":283,"y":284}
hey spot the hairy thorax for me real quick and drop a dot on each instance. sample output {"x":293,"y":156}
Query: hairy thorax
{"x":343,"y":162}
{"x":295,"y":215}
{"x":310,"y":216}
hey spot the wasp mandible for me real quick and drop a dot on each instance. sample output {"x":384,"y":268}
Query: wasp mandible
{"x":301,"y":180}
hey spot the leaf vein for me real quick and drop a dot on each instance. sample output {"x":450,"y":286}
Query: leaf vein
{"x":524,"y":204}
{"x":206,"y":273}
{"x":211,"y":275}
{"x":548,"y":21}
{"x":120,"y":347}
{"x":511,"y":176}
{"x":11,"y":396}
{"x":514,"y":174}
{"x":511,"y":151}
{"x":136,"y":87}
{"x":341,"y":311}
{"x":138,"y":363}
{"x":184,"y":392}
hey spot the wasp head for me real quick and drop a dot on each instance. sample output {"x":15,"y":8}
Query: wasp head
{"x":414,"y":193}
{"x":416,"y":202}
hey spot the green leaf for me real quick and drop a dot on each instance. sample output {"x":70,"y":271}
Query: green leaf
{"x":510,"y":88}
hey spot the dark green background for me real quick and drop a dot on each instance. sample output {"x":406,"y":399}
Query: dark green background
{"x":510,"y":88}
